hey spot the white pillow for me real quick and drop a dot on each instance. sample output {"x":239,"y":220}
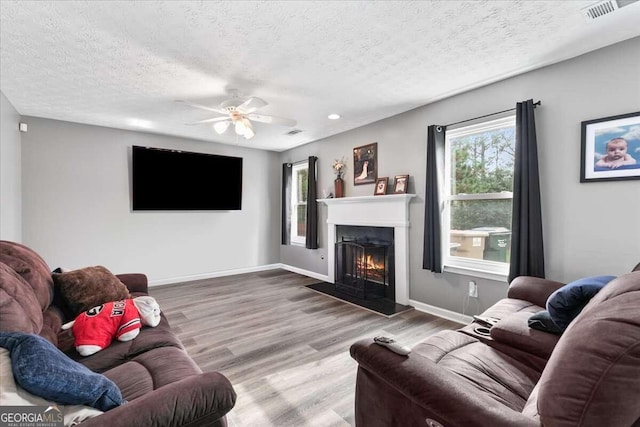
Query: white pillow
{"x":11,"y":394}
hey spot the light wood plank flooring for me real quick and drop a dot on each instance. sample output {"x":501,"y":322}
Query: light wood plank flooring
{"x":284,"y":347}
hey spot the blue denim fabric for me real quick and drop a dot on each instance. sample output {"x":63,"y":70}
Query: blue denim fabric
{"x":41,"y":369}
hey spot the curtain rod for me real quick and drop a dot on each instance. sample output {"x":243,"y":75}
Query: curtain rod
{"x":489,"y":115}
{"x":299,"y":161}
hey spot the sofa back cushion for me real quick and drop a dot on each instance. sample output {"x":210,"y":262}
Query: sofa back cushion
{"x":31,"y":267}
{"x":592,"y":376}
{"x":52,"y":320}
{"x":19,"y":308}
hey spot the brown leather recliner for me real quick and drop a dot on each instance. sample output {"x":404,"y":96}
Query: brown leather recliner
{"x":162,"y":384}
{"x":516,"y":376}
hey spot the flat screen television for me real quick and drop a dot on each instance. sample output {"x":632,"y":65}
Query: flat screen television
{"x":172,"y":180}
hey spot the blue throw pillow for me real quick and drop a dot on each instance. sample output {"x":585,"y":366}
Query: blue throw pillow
{"x":567,"y":302}
{"x":41,"y":369}
{"x":542,"y":321}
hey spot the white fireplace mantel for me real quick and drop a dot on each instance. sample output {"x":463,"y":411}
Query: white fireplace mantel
{"x":375,"y":211}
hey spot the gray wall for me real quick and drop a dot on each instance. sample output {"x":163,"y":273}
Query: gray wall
{"x":10,"y":197}
{"x":77,"y":210}
{"x":589,"y":228}
{"x":75,"y":207}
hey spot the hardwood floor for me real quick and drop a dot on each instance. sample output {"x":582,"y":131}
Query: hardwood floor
{"x":284,"y":347}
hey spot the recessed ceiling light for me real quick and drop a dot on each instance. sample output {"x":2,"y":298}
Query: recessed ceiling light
{"x":333,"y":116}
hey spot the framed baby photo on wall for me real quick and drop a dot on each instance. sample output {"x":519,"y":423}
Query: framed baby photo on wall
{"x":610,"y":149}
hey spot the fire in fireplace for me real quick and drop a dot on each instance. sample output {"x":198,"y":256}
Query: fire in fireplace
{"x":364,"y":262}
{"x":375,"y":268}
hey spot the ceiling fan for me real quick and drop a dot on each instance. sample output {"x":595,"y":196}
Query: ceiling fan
{"x":239,"y":112}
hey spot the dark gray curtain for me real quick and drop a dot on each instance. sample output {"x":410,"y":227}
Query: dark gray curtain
{"x":527,"y":250}
{"x":432,"y":251}
{"x":286,"y":203}
{"x":311,"y":238}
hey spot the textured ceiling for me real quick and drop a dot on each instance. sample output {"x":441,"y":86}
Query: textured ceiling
{"x":123,"y":64}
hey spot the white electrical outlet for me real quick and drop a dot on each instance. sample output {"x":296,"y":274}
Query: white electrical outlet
{"x":473,"y":289}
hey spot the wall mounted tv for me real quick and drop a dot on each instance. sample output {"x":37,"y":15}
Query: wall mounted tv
{"x":172,"y":180}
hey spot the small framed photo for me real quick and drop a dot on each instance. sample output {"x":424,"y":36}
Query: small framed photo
{"x":381,"y":186}
{"x":400,"y":184}
{"x":610,"y":148}
{"x":365,"y":164}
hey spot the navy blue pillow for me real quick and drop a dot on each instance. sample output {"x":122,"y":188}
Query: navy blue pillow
{"x":542,"y":321}
{"x":567,"y":302}
{"x":41,"y":369}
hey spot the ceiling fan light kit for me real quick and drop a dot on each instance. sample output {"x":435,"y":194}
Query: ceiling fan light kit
{"x":244,"y":128}
{"x":240,"y":114}
{"x":221,"y":127}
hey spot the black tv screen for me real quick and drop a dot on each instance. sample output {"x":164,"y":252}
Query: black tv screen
{"x":170,"y":180}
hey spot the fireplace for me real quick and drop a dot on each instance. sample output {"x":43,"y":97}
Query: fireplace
{"x":364,"y":261}
{"x":390,"y":212}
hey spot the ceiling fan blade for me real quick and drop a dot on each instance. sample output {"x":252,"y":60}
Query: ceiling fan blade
{"x":203,"y":107}
{"x":251,"y":105}
{"x":272,"y":120}
{"x":215,"y":119}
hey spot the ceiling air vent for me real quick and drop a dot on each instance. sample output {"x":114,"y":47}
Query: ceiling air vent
{"x":293,"y":132}
{"x":599,"y":9}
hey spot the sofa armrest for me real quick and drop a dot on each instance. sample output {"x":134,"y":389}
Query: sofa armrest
{"x":533,"y":289}
{"x":442,"y":396}
{"x":135,"y":282}
{"x":514,"y":331}
{"x":193,"y":401}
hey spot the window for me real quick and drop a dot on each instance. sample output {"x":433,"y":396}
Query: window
{"x":300,"y":174}
{"x":478,"y":197}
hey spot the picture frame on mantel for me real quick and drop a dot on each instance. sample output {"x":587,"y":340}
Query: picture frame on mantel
{"x":365,"y":164}
{"x":610,"y":149}
{"x":401,"y":184}
{"x":381,"y":186}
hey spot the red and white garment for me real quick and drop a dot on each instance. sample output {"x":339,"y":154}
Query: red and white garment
{"x":100,"y":325}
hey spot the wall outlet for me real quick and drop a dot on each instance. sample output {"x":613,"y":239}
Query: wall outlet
{"x":473,"y":289}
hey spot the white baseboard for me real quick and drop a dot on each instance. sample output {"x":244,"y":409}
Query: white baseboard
{"x":308,"y":273}
{"x":441,"y":312}
{"x":201,"y":276}
{"x":192,"y":277}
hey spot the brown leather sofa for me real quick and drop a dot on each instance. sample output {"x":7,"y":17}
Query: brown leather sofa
{"x":162,"y":384}
{"x":515,"y":376}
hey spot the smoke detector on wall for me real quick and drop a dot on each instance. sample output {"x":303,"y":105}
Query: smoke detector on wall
{"x":599,"y":9}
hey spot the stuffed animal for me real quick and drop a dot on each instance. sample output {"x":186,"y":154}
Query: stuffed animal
{"x":96,"y":328}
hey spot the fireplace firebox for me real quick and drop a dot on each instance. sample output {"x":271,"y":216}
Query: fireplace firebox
{"x":364,"y":262}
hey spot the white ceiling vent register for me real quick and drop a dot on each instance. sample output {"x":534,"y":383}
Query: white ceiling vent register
{"x":599,"y":9}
